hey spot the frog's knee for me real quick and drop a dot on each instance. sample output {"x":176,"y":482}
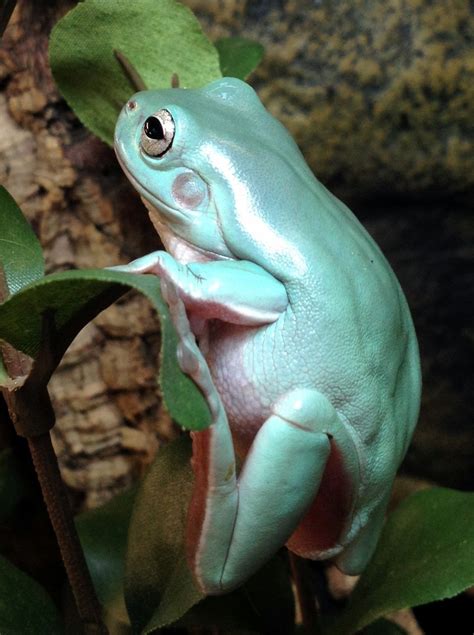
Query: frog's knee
{"x":307,"y":408}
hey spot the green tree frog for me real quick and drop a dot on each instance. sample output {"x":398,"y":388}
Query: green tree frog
{"x":290,"y":321}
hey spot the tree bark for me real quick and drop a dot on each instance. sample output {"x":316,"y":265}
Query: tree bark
{"x":109,"y":416}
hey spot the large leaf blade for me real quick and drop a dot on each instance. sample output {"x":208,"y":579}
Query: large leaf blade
{"x":158,"y":37}
{"x":103,"y":533}
{"x":74,"y":298}
{"x":21,"y":257}
{"x":238,"y":56}
{"x":159,"y":587}
{"x":425,"y":553}
{"x":25,"y":607}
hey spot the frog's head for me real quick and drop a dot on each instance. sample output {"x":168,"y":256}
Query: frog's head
{"x":211,"y":164}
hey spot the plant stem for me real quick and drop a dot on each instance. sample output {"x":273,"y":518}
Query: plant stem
{"x":130,"y":71}
{"x":32,"y":416}
{"x":57,"y":504}
{"x":304,"y":594}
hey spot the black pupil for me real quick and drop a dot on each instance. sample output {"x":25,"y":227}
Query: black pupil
{"x":153,"y":128}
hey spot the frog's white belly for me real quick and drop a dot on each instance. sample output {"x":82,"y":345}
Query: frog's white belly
{"x":253,"y":367}
{"x":247,"y":402}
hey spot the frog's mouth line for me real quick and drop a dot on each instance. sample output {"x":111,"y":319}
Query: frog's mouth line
{"x":143,"y":191}
{"x":158,"y":206}
{"x":168,"y":236}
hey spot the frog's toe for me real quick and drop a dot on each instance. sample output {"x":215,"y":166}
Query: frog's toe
{"x":122,"y":268}
{"x":188,"y":358}
{"x":145,"y":264}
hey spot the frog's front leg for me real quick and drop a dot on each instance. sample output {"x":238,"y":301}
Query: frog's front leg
{"x":236,"y":291}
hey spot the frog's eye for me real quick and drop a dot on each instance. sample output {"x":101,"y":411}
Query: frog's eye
{"x":157,"y":133}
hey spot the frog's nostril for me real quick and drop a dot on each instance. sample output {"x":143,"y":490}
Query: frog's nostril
{"x":132,"y":104}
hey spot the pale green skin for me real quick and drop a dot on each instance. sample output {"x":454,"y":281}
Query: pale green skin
{"x":313,"y":348}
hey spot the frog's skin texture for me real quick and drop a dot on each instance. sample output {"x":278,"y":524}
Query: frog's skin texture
{"x":290,"y":321}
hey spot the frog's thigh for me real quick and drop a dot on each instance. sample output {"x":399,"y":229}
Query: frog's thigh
{"x":278,"y":482}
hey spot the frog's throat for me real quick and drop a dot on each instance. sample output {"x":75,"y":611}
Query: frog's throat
{"x":181,"y":249}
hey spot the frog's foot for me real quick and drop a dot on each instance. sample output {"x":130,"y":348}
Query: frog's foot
{"x":355,"y":557}
{"x":279,"y":481}
{"x":329,"y":522}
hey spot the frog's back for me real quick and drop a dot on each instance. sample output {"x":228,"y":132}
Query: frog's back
{"x":356,"y":333}
{"x":370,"y":339}
{"x":349,"y":334}
{"x":359,"y":347}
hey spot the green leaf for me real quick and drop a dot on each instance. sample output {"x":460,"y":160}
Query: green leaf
{"x":20,"y":252}
{"x":14,"y":485}
{"x":425,"y":553}
{"x":103,"y":533}
{"x":264,"y":604}
{"x":159,"y":38}
{"x":25,"y":607}
{"x":159,"y":587}
{"x":4,"y":377}
{"x":238,"y":57}
{"x":68,"y":295}
{"x":76,"y":297}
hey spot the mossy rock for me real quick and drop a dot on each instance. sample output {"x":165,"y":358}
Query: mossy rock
{"x":379,"y":95}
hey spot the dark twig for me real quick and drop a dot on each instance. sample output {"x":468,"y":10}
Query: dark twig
{"x":130,"y":71}
{"x":304,"y":594}
{"x":32,"y":415}
{"x":54,"y":494}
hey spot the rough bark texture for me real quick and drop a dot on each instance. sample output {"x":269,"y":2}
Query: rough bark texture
{"x":109,"y":417}
{"x":362,"y":140}
{"x":379,"y":95}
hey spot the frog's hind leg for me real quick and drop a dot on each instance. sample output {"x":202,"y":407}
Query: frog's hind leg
{"x":280,"y":479}
{"x":357,"y":554}
{"x":328,"y":523}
